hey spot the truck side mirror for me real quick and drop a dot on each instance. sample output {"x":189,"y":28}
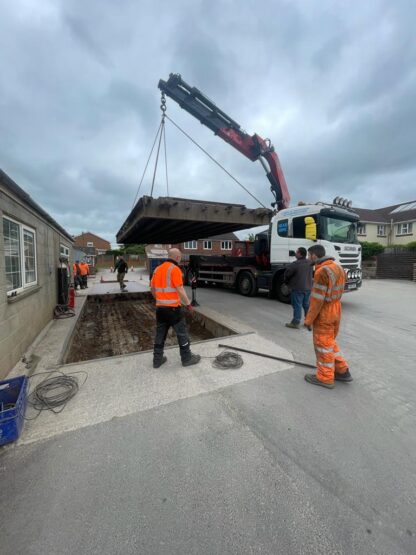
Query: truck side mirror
{"x":310,"y":228}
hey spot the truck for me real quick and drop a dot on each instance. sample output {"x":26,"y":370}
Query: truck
{"x":333,"y":225}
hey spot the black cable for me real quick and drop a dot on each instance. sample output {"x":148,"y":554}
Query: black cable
{"x":213,"y":159}
{"x":227,"y":361}
{"x":62,"y":311}
{"x":54,"y":393}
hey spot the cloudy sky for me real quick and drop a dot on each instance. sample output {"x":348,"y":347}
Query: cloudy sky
{"x":332,"y":83}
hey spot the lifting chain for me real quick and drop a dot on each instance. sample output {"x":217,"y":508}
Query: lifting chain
{"x":163,"y":105}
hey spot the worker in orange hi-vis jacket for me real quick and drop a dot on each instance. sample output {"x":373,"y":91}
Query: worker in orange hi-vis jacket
{"x":85,"y":270}
{"x":324,"y":317}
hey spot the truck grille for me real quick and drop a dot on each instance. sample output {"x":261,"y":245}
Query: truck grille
{"x":349,"y":261}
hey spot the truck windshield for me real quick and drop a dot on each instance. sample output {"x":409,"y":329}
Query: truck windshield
{"x":337,"y":230}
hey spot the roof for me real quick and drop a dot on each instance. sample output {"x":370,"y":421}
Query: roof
{"x":224,"y":237}
{"x":17,"y":191}
{"x":90,"y":233}
{"x":403,"y":212}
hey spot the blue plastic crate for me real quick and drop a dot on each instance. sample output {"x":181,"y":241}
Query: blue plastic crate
{"x":13,"y":400}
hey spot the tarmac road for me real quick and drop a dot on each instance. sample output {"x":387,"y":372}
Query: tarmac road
{"x":269,"y":466}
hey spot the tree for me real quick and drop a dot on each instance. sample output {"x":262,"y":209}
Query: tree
{"x":134,"y":249}
{"x":251,"y":237}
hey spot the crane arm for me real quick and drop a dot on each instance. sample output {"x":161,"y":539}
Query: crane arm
{"x":253,"y":146}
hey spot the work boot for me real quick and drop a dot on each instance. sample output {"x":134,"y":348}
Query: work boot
{"x":345,"y":377}
{"x":293,"y":325}
{"x":311,"y":378}
{"x":157,"y":363}
{"x":193,"y":359}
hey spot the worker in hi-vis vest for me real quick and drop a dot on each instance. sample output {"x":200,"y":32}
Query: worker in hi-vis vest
{"x":324,"y":317}
{"x":169,"y":293}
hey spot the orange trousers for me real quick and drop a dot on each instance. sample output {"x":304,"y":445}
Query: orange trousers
{"x":328,"y":355}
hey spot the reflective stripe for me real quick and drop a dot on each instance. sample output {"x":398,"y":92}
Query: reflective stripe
{"x":319,"y":286}
{"x":323,"y":350}
{"x":326,"y":364}
{"x":170,"y":301}
{"x":165,"y":289}
{"x":317,"y":296}
{"x":331,"y":275}
{"x":338,"y":287}
{"x":338,"y":354}
{"x":168,"y":282}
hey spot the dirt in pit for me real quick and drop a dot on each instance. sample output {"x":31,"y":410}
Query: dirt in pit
{"x":124,"y":325}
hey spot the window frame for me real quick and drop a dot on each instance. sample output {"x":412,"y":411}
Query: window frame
{"x":62,"y":248}
{"x":226,"y":242}
{"x":379,"y":233}
{"x":206,"y":243}
{"x":361,"y":229}
{"x":192,"y":248}
{"x":400,"y":231}
{"x":90,"y":244}
{"x":24,"y":284}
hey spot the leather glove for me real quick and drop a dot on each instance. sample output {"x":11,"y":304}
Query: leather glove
{"x":189,"y":307}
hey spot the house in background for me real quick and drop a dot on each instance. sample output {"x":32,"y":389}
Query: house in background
{"x":392,"y":225}
{"x":217,"y":245}
{"x":91,"y":246}
{"x":32,"y":245}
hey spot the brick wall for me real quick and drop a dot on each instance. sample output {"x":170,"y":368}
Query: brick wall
{"x":216,"y":247}
{"x":88,"y":237}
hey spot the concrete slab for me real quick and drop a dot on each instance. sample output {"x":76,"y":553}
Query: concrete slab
{"x":174,"y":220}
{"x":123,"y":385}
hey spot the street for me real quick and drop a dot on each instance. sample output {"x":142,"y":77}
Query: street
{"x":267,"y":466}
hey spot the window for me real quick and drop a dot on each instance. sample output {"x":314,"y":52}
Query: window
{"x":299,"y":227}
{"x":381,"y":230}
{"x":226,"y":245}
{"x":283,"y":228}
{"x":337,"y":230}
{"x":208,"y":245}
{"x":19,"y":255}
{"x":190,"y":245}
{"x":63,"y":251}
{"x":404,"y":229}
{"x":90,"y":244}
{"x":361,"y":229}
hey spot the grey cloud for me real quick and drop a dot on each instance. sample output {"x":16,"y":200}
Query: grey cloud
{"x":332,"y":87}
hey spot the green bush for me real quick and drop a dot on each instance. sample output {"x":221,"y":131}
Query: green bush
{"x":371,"y":249}
{"x":411,"y":245}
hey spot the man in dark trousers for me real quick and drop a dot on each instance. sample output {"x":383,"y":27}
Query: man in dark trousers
{"x":169,"y":293}
{"x":298,"y":276}
{"x":121,"y":268}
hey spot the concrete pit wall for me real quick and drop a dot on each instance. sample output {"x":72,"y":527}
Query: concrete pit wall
{"x":119,"y":324}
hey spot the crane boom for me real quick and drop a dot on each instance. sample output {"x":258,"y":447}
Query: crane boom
{"x":254,"y":147}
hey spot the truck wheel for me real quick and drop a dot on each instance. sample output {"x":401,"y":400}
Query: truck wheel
{"x":246,"y":284}
{"x":280,"y":290}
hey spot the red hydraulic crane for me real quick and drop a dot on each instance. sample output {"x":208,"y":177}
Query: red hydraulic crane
{"x":253,"y":146}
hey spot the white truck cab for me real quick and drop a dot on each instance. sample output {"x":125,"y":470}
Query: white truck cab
{"x":333,"y":226}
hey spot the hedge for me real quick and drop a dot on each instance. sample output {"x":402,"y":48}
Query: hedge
{"x":371,"y":249}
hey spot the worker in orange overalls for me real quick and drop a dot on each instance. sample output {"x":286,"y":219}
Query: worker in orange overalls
{"x":167,"y":289}
{"x":324,"y":316}
{"x":85,"y":270}
{"x":76,"y":270}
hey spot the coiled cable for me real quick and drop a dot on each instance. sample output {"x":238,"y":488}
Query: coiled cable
{"x":227,"y":361}
{"x":53,"y":393}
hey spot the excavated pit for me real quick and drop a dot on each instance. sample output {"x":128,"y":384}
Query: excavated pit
{"x":124,"y":323}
